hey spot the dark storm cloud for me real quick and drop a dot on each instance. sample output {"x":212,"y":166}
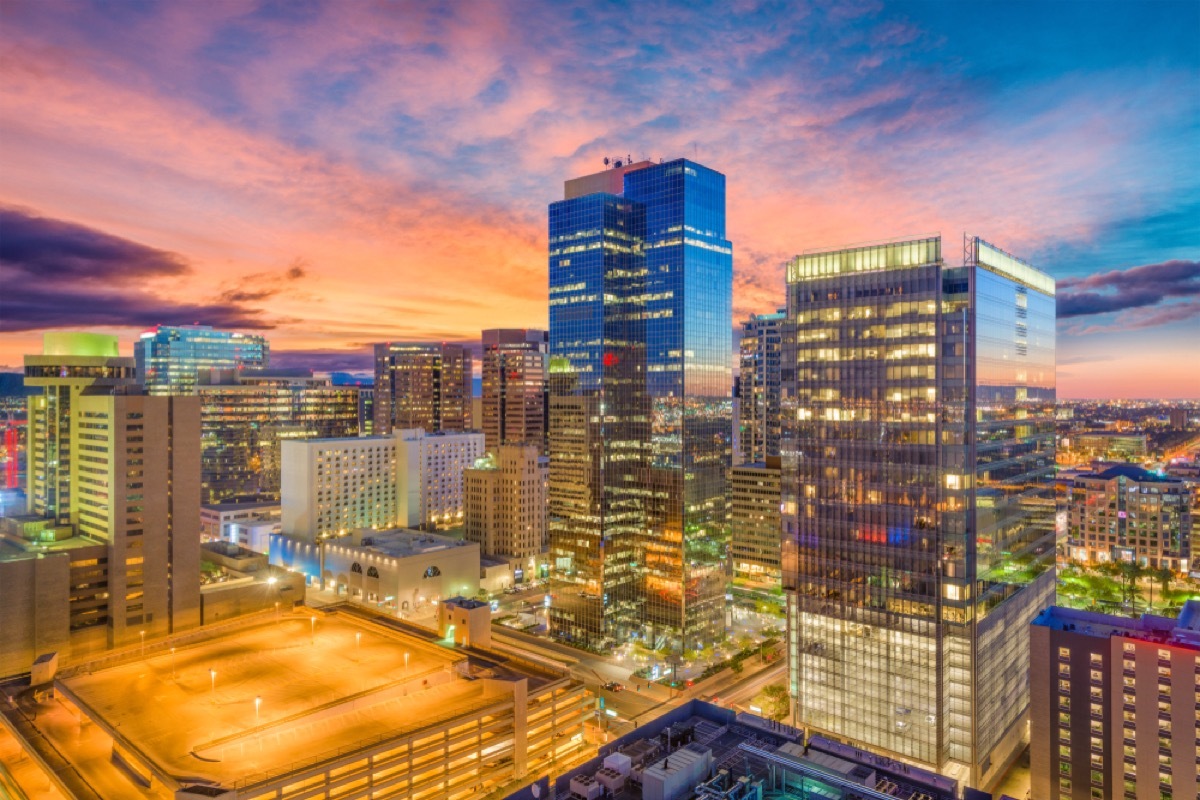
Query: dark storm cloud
{"x":61,"y":274}
{"x":1121,"y":290}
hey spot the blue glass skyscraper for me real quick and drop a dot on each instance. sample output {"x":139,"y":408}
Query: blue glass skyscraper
{"x":641,"y":285}
{"x":170,"y":357}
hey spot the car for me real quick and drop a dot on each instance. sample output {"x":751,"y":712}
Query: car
{"x":613,"y":686}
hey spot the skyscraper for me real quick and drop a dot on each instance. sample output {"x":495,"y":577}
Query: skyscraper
{"x":641,"y":414}
{"x":514,"y":387}
{"x":111,"y":548}
{"x":759,"y":374}
{"x":425,"y":386}
{"x":919,"y":504}
{"x":170,"y":357}
{"x":244,"y":417}
{"x":70,"y":363}
{"x":504,"y":507}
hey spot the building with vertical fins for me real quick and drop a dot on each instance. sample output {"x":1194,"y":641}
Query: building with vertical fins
{"x":69,"y":364}
{"x":425,"y":386}
{"x":504,"y":506}
{"x":110,"y":548}
{"x":919,"y":537}
{"x":641,"y":410}
{"x":514,"y":405}
{"x":170,"y":357}
{"x":759,"y":373}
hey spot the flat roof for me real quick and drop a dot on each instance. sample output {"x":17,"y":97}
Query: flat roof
{"x":1168,"y":630}
{"x":285,"y":695}
{"x":257,"y":504}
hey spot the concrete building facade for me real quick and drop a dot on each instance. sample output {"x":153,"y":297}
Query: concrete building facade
{"x":514,"y":402}
{"x":1125,"y":513}
{"x":426,"y":386}
{"x":1114,"y":705}
{"x":755,"y":522}
{"x":505,"y":505}
{"x":399,"y":572}
{"x":120,"y":560}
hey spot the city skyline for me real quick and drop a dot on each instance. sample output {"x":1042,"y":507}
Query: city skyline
{"x":275,"y":170}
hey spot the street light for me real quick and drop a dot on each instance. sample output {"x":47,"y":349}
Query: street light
{"x":358,"y":642}
{"x":212,"y":674}
{"x":313,"y":630}
{"x":257,"y":705}
{"x":143,"y":633}
{"x":172,"y":663}
{"x":406,"y":662}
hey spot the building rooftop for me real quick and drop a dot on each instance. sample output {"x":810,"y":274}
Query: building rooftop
{"x":747,"y":749}
{"x":1130,"y":471}
{"x":221,"y":508}
{"x":264,"y":700}
{"x":398,"y":542}
{"x":1184,"y":631}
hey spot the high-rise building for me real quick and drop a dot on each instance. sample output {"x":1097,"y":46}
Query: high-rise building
{"x":505,"y":504}
{"x":756,"y":525}
{"x":425,"y":386}
{"x":1126,"y":513}
{"x":366,"y":410}
{"x":70,"y":363}
{"x":245,"y":414}
{"x":641,"y":414}
{"x":918,"y":497}
{"x":407,"y":479}
{"x":171,"y":357}
{"x":514,"y":402}
{"x":759,"y":379}
{"x":1178,"y":418}
{"x":117,"y":554}
{"x":1114,"y":705}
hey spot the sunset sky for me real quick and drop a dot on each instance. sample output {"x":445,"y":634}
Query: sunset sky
{"x":335,"y":174}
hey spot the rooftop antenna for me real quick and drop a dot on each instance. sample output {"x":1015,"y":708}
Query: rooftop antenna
{"x":606,"y":161}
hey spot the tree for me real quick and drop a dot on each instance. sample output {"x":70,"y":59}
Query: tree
{"x":1163,"y":575}
{"x":778,"y":704}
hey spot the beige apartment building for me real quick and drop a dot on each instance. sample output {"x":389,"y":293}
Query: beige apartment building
{"x":505,"y":505}
{"x":115,"y":554}
{"x":755,"y":524}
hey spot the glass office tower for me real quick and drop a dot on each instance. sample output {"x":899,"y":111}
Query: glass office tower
{"x":170,"y":356}
{"x":919,"y":535}
{"x":641,"y":413}
{"x":759,"y":372}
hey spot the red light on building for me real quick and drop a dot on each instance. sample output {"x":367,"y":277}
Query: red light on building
{"x":610,"y":359}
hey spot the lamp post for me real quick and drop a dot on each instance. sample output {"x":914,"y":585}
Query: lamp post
{"x":257,"y":705}
{"x":358,"y":642}
{"x":406,"y":662}
{"x":212,"y":675}
{"x":312,"y":630}
{"x":143,"y":635}
{"x":172,"y":663}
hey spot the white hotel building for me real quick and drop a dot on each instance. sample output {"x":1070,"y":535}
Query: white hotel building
{"x":410,"y":479}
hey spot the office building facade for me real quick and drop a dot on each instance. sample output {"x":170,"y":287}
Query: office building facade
{"x":514,"y":406}
{"x":641,"y":413}
{"x":1114,"y":705}
{"x":759,"y":381}
{"x":171,"y":358}
{"x":246,"y":415}
{"x":426,"y":386}
{"x":918,"y":497}
{"x":117,"y":556}
{"x":756,"y":525}
{"x":1127,"y":514}
{"x":505,"y":504}
{"x":70,"y":364}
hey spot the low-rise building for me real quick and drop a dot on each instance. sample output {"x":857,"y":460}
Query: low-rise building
{"x":1114,"y":705}
{"x":247,"y":524}
{"x":1126,"y":513}
{"x":236,"y":581}
{"x":399,"y":572}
